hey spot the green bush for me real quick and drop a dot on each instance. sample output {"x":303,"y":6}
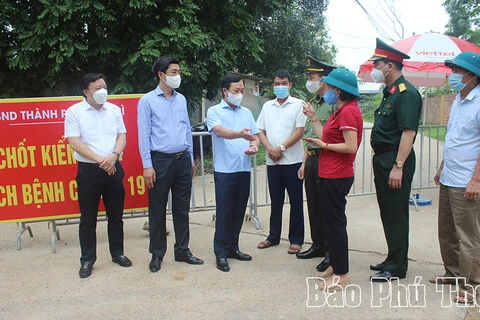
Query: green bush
{"x":368,"y":104}
{"x":436,"y":133}
{"x":261,"y":156}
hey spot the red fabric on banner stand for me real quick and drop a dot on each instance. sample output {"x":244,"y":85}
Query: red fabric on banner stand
{"x":37,"y":169}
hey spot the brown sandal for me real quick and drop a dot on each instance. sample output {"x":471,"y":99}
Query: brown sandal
{"x":264,"y":244}
{"x":443,"y":280}
{"x":294,"y":248}
{"x":464,"y":297}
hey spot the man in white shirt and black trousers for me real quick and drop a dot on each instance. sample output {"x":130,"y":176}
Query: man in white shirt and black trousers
{"x":97,"y":134}
{"x":281,"y":123}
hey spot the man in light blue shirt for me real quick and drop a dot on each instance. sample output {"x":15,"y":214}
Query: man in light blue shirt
{"x":234,"y":140}
{"x":459,"y":180}
{"x":165,"y":143}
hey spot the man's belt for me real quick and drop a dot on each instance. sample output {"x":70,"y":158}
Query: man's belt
{"x":175,"y":156}
{"x":313,"y":152}
{"x":384,"y":149}
{"x":88,"y":164}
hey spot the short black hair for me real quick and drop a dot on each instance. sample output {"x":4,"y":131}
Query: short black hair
{"x":282,"y":74}
{"x":89,"y":78}
{"x":321,"y":74}
{"x":162,"y":64}
{"x":229,"y":78}
{"x":345,"y":96}
{"x":398,"y":65}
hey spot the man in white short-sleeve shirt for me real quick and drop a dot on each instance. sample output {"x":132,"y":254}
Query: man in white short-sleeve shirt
{"x":97,"y":134}
{"x":281,"y":124}
{"x":459,"y":180}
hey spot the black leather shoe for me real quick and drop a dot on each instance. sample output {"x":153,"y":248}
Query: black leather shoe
{"x":384,"y":276}
{"x":222,"y":265}
{"x":122,"y":261}
{"x":324,"y":265}
{"x":310,"y":253}
{"x":189,"y":258}
{"x":239,"y":255}
{"x":155,"y":264}
{"x":378,"y":266}
{"x":85,"y":270}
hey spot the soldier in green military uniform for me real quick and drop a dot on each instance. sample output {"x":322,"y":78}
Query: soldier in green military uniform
{"x":393,"y":134}
{"x":309,"y":170}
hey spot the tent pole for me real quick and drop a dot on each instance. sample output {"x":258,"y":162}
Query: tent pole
{"x":426,"y":98}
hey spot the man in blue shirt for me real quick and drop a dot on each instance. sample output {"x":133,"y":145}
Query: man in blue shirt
{"x":165,"y":143}
{"x":234,"y":140}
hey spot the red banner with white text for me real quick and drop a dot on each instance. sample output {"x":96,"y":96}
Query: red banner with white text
{"x":37,"y":168}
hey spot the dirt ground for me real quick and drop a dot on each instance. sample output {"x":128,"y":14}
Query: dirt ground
{"x":37,"y":284}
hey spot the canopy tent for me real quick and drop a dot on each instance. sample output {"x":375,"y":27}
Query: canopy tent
{"x":428,"y":53}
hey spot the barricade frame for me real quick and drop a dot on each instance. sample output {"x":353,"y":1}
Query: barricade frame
{"x":421,"y":181}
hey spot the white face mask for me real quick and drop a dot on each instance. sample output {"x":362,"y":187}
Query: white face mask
{"x":100,"y":96}
{"x":173,"y":81}
{"x":377,"y":75}
{"x":235,"y":99}
{"x":313,"y":86}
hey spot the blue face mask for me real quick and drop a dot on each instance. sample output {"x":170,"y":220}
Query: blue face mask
{"x":330,"y":97}
{"x":281,"y":91}
{"x":455,"y":82}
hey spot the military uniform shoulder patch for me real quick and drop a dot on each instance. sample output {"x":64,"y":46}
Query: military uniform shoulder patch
{"x":402,"y":87}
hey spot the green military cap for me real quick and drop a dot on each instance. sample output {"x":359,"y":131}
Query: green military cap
{"x":467,"y":60}
{"x":385,"y":51}
{"x":315,"y":65}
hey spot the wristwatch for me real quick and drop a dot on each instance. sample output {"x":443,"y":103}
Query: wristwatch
{"x":117,"y":154}
{"x":399,"y":164}
{"x":282,"y":147}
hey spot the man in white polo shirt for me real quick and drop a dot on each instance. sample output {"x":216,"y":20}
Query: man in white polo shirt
{"x":97,"y":134}
{"x":459,"y":180}
{"x":281,"y":124}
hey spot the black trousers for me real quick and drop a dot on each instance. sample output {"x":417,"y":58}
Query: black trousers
{"x":172,"y":174}
{"x":231,"y":196}
{"x":334,"y":200}
{"x":94,"y":183}
{"x":312,"y":190}
{"x":281,"y":177}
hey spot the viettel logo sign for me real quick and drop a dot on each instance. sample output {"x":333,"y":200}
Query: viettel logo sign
{"x":435,"y":53}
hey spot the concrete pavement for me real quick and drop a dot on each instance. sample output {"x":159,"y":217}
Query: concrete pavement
{"x":37,"y":284}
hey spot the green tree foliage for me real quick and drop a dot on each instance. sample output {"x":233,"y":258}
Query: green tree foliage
{"x":46,"y":46}
{"x":288,"y":37}
{"x":464,"y":21}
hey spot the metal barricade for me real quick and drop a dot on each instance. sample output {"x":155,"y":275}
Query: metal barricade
{"x":428,"y":151}
{"x":427,"y":148}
